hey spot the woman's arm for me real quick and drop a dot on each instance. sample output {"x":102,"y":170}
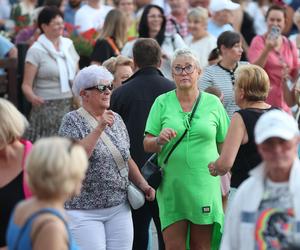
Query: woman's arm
{"x":289,"y":94}
{"x":236,"y":136}
{"x":29,"y":75}
{"x":136,"y":177}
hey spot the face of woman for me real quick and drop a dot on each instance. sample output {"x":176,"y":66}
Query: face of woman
{"x":126,"y":6}
{"x":234,"y":53}
{"x":55,"y":28}
{"x":155,"y":20}
{"x":122,"y":73}
{"x":275,"y":18}
{"x":197,"y":27}
{"x":185,"y":72}
{"x":99,"y":99}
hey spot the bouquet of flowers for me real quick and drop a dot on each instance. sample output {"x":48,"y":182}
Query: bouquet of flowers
{"x":83,"y":42}
{"x":21,"y":21}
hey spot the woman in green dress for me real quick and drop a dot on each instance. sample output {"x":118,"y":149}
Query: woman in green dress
{"x":188,"y":197}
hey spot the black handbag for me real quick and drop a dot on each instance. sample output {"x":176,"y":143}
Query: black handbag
{"x":151,"y":171}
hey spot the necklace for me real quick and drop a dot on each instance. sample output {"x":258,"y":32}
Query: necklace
{"x":230,"y":71}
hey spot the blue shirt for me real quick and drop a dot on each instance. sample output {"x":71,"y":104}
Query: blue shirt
{"x":217,"y":30}
{"x":69,"y":14}
{"x":5,"y":47}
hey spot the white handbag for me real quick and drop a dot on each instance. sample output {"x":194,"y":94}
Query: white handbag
{"x":135,"y":196}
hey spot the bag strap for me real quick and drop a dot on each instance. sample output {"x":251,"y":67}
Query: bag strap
{"x":180,"y":139}
{"x":113,"y":45}
{"x":34,"y":216}
{"x":118,"y":158}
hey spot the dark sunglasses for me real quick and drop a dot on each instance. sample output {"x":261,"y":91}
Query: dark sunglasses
{"x":101,"y":88}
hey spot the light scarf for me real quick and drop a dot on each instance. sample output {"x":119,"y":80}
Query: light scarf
{"x":65,"y":63}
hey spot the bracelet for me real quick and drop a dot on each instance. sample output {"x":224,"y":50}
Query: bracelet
{"x":158,"y":142}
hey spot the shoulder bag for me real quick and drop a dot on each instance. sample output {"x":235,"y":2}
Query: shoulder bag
{"x":151,"y":171}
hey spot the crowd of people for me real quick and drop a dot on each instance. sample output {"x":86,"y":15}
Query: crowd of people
{"x":208,"y":86}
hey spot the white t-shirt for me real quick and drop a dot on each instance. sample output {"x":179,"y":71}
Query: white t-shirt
{"x":202,"y":47}
{"x":258,"y":15}
{"x":87,"y":17}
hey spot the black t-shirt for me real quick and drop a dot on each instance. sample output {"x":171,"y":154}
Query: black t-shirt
{"x":247,"y":157}
{"x":10,"y":195}
{"x":102,"y":51}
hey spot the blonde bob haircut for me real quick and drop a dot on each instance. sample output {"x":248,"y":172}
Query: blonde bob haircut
{"x":254,"y":81}
{"x":13,"y":123}
{"x":198,"y":13}
{"x":55,"y":167}
{"x":112,"y":63}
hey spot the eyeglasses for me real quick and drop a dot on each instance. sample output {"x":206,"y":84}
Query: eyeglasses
{"x":101,"y":88}
{"x":189,"y":69}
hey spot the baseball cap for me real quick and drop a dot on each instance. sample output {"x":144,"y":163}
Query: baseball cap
{"x":275,"y":123}
{"x":218,"y":5}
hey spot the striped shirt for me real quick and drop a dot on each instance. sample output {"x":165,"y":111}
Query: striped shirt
{"x":216,"y":76}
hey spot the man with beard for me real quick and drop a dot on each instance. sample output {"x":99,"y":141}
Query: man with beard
{"x":70,"y":9}
{"x":177,"y":19}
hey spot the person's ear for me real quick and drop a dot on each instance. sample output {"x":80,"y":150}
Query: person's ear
{"x":242,"y":94}
{"x":159,"y":64}
{"x":83,"y":93}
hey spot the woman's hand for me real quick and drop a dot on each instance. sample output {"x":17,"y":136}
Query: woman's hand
{"x":165,"y":136}
{"x":35,"y":100}
{"x":212,"y":169}
{"x":149,"y":192}
{"x":107,"y":119}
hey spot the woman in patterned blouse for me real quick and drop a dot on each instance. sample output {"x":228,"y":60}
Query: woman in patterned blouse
{"x":100,"y":216}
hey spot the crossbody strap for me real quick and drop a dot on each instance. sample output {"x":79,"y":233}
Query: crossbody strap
{"x":113,"y":45}
{"x":34,"y":216}
{"x":180,"y":139}
{"x":118,"y":158}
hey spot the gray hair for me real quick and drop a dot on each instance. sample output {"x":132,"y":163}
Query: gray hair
{"x":198,"y":13}
{"x":185,"y":52}
{"x":91,"y":76}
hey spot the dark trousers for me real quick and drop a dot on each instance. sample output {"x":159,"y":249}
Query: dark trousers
{"x":141,"y":222}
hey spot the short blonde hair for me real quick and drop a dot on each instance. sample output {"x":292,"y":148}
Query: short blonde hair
{"x":112,"y":63}
{"x":254,"y":81}
{"x":198,"y":13}
{"x":13,"y":123}
{"x":55,"y":167}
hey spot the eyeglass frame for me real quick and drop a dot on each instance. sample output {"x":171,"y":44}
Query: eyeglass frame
{"x":184,"y":69}
{"x":101,"y":87}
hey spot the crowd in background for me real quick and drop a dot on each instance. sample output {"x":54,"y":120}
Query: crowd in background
{"x":133,"y":77}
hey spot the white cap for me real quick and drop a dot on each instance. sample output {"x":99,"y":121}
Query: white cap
{"x":91,"y":76}
{"x":218,"y":5}
{"x":275,"y":123}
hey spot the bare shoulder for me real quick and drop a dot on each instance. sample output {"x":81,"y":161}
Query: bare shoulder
{"x":49,"y":232}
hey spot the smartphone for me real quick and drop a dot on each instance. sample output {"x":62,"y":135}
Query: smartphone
{"x":274,"y":33}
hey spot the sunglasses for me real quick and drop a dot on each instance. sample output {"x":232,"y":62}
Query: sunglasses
{"x":101,"y":88}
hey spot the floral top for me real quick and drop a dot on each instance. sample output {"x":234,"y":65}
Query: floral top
{"x":103,"y":187}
